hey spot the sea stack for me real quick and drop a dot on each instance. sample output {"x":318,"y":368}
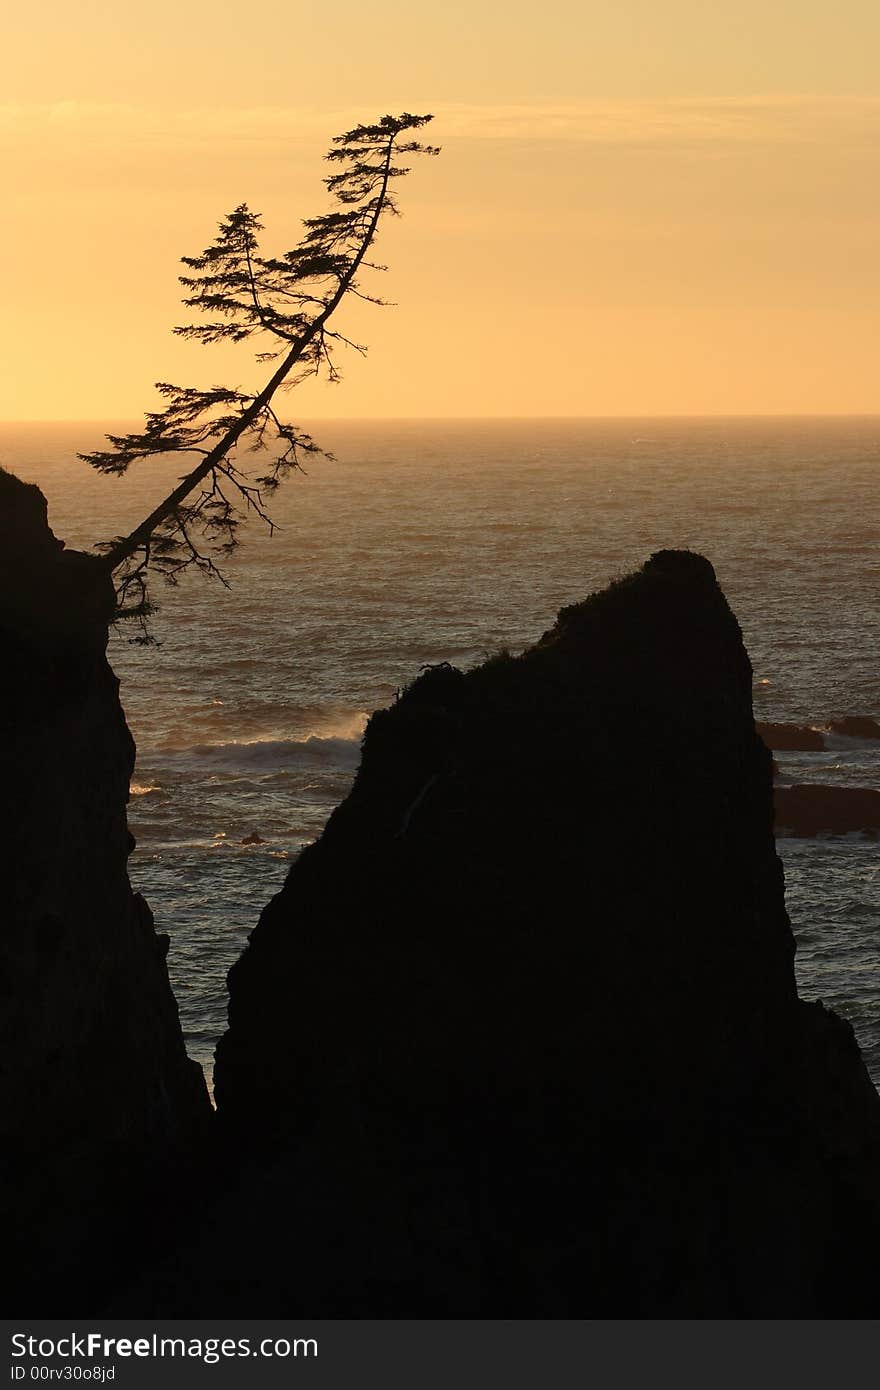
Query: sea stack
{"x":520,"y":1036}
{"x":98,"y":1100}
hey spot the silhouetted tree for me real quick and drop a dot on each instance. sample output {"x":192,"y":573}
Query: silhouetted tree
{"x":285,"y":303}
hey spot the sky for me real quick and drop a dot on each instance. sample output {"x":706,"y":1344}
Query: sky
{"x":639,"y":208}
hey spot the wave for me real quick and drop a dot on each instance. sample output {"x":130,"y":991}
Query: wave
{"x":847,"y":743}
{"x":139,"y":789}
{"x":273,"y":755}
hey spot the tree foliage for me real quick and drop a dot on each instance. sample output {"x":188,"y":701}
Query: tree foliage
{"x":283,"y":306}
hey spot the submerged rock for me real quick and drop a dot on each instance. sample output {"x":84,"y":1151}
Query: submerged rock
{"x":788,"y":738}
{"x":856,"y":726}
{"x":98,"y":1099}
{"x":799,"y":738}
{"x":809,"y":809}
{"x":520,"y":1036}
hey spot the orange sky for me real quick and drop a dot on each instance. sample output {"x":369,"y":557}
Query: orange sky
{"x":639,"y":208}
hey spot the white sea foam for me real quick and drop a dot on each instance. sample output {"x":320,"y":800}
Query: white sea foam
{"x":333,"y":743}
{"x":275,"y":755}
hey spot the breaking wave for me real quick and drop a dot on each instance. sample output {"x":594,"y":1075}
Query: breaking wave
{"x":141,"y":789}
{"x":273,"y":755}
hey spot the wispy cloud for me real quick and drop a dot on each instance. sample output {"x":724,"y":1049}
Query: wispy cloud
{"x":717,"y":120}
{"x":680,"y":121}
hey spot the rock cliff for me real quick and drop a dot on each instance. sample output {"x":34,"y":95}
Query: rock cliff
{"x":97,"y":1096}
{"x":520,"y":1036}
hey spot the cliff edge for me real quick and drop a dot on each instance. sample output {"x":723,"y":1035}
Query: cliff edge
{"x":98,"y":1100}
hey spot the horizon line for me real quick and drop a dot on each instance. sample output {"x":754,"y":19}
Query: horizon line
{"x":440,"y":419}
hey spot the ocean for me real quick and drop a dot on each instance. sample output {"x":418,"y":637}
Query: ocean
{"x":429,"y":541}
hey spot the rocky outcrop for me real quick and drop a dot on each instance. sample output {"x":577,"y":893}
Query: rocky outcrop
{"x":799,"y":738}
{"x":520,"y":1036}
{"x":97,"y":1096}
{"x":856,"y":726}
{"x":808,"y":809}
{"x":788,"y":738}
{"x":805,"y":810}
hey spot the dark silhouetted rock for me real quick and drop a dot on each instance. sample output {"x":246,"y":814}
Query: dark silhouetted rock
{"x":520,"y":1036}
{"x":856,"y":726}
{"x":791,"y":738}
{"x":253,"y":839}
{"x":814,"y":809}
{"x":97,"y":1096}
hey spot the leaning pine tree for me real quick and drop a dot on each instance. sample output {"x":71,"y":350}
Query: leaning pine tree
{"x":244,"y":449}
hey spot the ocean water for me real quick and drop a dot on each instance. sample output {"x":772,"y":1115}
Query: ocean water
{"x":432,"y":541}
